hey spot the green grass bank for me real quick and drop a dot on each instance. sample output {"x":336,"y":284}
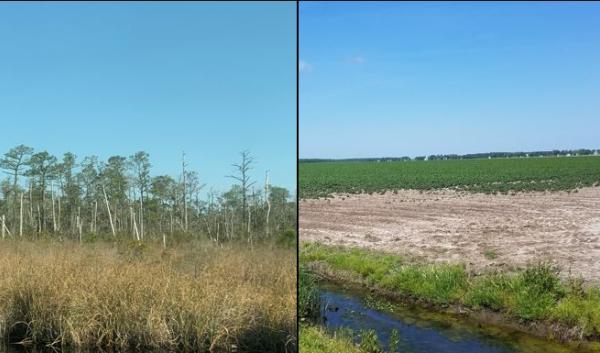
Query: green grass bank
{"x":533,"y":295}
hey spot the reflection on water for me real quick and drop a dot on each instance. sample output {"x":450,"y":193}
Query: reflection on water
{"x":426,"y":332}
{"x":15,"y":348}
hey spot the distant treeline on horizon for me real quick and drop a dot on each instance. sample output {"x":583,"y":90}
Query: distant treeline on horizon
{"x":486,"y":155}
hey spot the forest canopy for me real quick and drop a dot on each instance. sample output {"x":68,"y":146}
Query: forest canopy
{"x":80,"y":198}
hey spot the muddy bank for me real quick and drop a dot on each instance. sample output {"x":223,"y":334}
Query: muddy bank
{"x":484,"y":231}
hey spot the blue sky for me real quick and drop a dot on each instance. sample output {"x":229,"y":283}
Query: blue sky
{"x":394,"y":79}
{"x":115,"y":78}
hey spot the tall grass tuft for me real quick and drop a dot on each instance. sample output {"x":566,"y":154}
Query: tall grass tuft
{"x":369,"y":342}
{"x":308,"y":298}
{"x":315,"y":339}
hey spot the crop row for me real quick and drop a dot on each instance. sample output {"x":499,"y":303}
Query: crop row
{"x":479,"y":175}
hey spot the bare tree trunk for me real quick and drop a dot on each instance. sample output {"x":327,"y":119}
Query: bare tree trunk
{"x":137,"y":233}
{"x":39,"y":219}
{"x":267,"y":198}
{"x":79,"y":225}
{"x":59,"y":215}
{"x":142,"y":218}
{"x":43,"y":207}
{"x":249,"y":220}
{"x":185,"y":213}
{"x":112,"y":226}
{"x":21,"y":217}
{"x":4,"y":227}
{"x":135,"y":228}
{"x":131,"y":222}
{"x":73,"y":221}
{"x":226,"y":223}
{"x":231,"y":228}
{"x":31,"y":205}
{"x":171,"y":220}
{"x":95,"y":216}
{"x":243,"y":169}
{"x":249,"y":232}
{"x":206,"y":221}
{"x":160,"y":219}
{"x":131,"y":217}
{"x":53,"y":211}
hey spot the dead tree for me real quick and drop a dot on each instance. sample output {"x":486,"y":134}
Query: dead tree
{"x":112,"y":226}
{"x":268,"y":200}
{"x":53,"y":211}
{"x":243,"y":177}
{"x":21,"y":217}
{"x":185,"y":210}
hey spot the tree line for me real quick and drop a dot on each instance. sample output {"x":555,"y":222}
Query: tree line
{"x":489,"y":155}
{"x":45,"y":195}
{"x":486,"y":155}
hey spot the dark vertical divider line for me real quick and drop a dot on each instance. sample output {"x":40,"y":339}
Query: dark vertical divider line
{"x":297,"y":172}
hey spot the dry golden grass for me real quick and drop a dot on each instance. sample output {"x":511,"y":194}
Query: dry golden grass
{"x":195,"y":297}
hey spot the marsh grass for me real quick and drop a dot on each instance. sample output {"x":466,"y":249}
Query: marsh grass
{"x":371,"y":265}
{"x":440,"y":284}
{"x":533,"y":294}
{"x":580,"y":308}
{"x":309,"y":303}
{"x":194,"y":297}
{"x":315,"y":339}
{"x":369,"y":342}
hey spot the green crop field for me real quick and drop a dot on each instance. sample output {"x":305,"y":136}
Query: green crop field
{"x":320,"y":179}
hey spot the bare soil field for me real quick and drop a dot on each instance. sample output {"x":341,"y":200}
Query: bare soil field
{"x":484,"y":231}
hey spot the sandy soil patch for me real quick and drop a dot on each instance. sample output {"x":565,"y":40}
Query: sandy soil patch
{"x":484,"y":231}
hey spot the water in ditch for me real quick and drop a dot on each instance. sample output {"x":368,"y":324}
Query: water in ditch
{"x":422,"y":331}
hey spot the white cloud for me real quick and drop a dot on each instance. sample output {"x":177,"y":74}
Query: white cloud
{"x":304,"y":66}
{"x":357,"y":60}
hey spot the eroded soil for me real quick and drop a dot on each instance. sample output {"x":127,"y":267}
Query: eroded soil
{"x":483,"y":231}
